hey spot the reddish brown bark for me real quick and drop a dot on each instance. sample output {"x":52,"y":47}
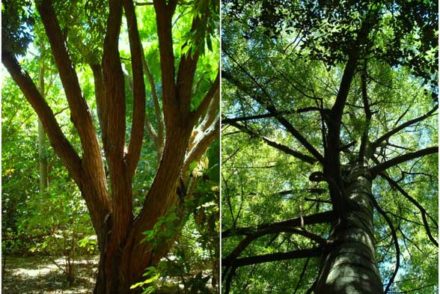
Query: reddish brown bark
{"x":123,"y":258}
{"x":137,"y":59}
{"x":92,"y":179}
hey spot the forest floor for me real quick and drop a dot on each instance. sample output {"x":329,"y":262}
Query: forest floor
{"x":41,"y":275}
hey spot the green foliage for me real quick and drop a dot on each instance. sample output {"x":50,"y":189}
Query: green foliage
{"x":17,"y":23}
{"x":291,"y":55}
{"x":195,"y":252}
{"x":149,"y":284}
{"x":205,"y":17}
{"x":88,"y":244}
{"x":164,"y":229}
{"x":56,"y":221}
{"x":402,"y":32}
{"x":83,"y":22}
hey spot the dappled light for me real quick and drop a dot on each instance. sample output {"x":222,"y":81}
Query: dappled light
{"x":111,"y":122}
{"x":26,"y":274}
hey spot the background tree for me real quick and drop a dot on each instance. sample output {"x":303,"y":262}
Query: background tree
{"x":48,"y":221}
{"x":181,"y":119}
{"x":329,"y":131}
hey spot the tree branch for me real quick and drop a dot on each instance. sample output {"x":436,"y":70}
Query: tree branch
{"x":201,"y":144}
{"x":114,"y":102}
{"x":213,"y":91}
{"x":273,"y":230}
{"x":402,"y":158}
{"x":186,"y":71}
{"x":229,"y":275}
{"x":164,"y":14}
{"x":302,"y":253}
{"x":114,"y":127}
{"x":301,"y":276}
{"x":387,"y":135}
{"x":137,"y":57}
{"x":212,"y":113}
{"x":93,"y":180}
{"x":283,"y":148}
{"x":269,"y":115}
{"x":322,"y":217}
{"x":395,"y":240}
{"x":295,"y":133}
{"x":332,"y":168}
{"x":59,"y":142}
{"x":143,"y":3}
{"x":159,"y":119}
{"x":228,"y":260}
{"x":231,"y":258}
{"x":368,"y":115}
{"x":422,"y":210}
{"x":99,"y":90}
{"x":81,"y":116}
{"x":96,"y":200}
{"x":347,"y":77}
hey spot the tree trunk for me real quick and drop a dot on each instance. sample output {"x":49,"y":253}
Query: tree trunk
{"x":124,"y":257}
{"x":122,"y":267}
{"x":117,"y":274}
{"x":349,"y":265}
{"x":42,"y":158}
{"x":42,"y":141}
{"x":112,"y":276}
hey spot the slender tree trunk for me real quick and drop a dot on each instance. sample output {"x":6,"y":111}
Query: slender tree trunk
{"x":42,"y":140}
{"x":42,"y":158}
{"x":349,"y":266}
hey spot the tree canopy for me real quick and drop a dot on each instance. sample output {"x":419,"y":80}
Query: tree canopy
{"x":312,"y":91}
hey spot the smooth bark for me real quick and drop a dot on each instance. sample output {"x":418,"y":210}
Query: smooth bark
{"x":42,"y":141}
{"x":349,"y":266}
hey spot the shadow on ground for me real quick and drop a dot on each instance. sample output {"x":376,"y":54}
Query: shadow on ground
{"x":41,"y":275}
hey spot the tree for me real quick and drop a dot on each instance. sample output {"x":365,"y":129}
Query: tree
{"x":329,"y":135}
{"x":48,"y":221}
{"x":84,"y":36}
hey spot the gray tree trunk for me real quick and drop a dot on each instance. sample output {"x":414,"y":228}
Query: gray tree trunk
{"x":349,"y":266}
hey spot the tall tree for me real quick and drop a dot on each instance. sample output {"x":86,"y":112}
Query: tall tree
{"x":339,"y":99}
{"x":185,"y":102}
{"x":42,"y":140}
